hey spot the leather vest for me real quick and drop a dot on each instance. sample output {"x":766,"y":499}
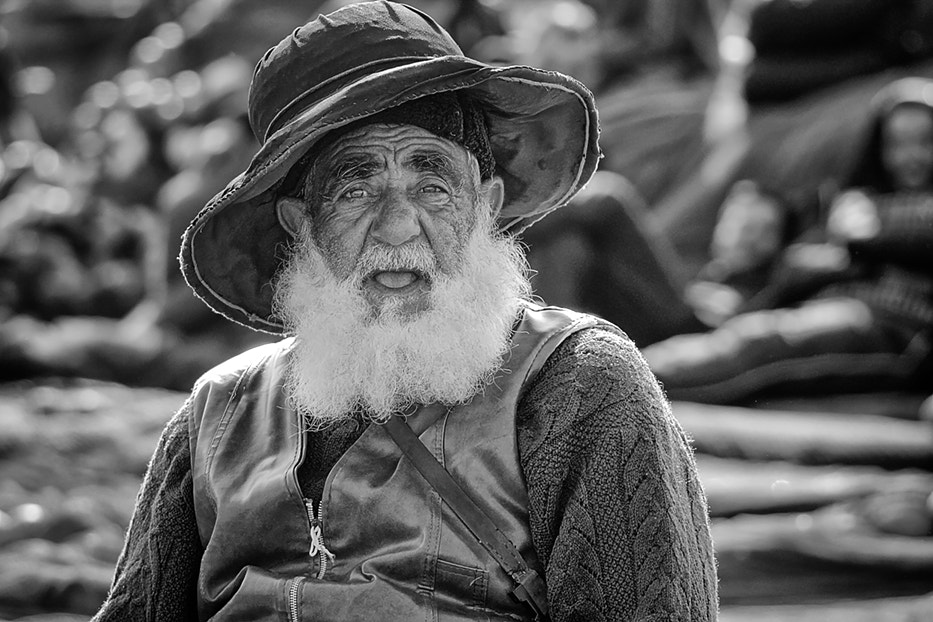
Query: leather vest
{"x":399,"y":552}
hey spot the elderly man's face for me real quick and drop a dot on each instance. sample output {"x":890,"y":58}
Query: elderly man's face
{"x":393,"y":207}
{"x":398,"y":289}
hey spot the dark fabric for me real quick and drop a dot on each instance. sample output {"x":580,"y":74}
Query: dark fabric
{"x":592,"y":421}
{"x":818,"y":25}
{"x":781,"y":78}
{"x":801,"y":47}
{"x":322,"y":451}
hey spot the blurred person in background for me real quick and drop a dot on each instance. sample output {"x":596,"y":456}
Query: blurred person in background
{"x":374,"y":227}
{"x":752,"y":229}
{"x":604,"y":256}
{"x":857,"y":308}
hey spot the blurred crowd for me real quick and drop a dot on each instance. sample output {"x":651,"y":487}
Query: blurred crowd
{"x":120,"y":119}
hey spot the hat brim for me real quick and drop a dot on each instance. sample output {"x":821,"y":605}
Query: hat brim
{"x":543,"y":130}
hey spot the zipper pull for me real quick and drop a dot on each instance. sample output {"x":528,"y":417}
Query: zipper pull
{"x":318,"y":549}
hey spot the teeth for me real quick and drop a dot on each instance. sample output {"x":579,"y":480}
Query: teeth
{"x":395,"y":280}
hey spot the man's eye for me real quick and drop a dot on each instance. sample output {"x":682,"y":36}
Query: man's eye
{"x":433,"y":189}
{"x":355,"y":193}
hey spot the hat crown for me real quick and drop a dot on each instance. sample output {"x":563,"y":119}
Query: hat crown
{"x":338,"y":49}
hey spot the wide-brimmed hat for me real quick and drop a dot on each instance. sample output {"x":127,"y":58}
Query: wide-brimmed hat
{"x":351,"y":64}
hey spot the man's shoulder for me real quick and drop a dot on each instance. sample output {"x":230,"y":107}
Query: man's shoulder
{"x":594,"y":367}
{"x":600,"y":344}
{"x":558,"y":324}
{"x":595,"y":387}
{"x":216,"y":389}
{"x":236,"y":367}
{"x":595,"y":356}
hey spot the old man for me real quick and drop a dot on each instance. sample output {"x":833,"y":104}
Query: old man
{"x":426,"y":443}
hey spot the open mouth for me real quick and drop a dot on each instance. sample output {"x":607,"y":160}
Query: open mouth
{"x":398,"y":280}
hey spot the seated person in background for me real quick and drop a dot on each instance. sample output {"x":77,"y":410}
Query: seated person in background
{"x":752,"y":228}
{"x":605,"y":256}
{"x":859,"y":312}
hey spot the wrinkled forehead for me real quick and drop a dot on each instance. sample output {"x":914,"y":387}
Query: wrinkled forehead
{"x":396,"y":144}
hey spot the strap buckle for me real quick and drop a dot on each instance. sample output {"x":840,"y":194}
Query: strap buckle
{"x":530,"y":589}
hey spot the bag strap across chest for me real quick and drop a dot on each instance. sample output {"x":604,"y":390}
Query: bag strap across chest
{"x":529,"y":586}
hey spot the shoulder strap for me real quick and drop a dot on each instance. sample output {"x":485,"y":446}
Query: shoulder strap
{"x":529,"y":586}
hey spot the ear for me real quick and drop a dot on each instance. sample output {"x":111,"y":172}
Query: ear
{"x":493,"y":190}
{"x":291,"y":213}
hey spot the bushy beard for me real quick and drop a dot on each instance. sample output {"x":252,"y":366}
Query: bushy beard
{"x":349,"y":358}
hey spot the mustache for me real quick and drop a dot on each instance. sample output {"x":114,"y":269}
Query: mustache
{"x":416,"y":257}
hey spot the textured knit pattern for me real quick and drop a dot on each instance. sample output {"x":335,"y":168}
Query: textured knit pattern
{"x":617,"y":514}
{"x":157,"y":571}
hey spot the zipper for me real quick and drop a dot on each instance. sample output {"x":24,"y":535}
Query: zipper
{"x":318,"y":552}
{"x":294,"y":585}
{"x":318,"y":549}
{"x":294,"y":591}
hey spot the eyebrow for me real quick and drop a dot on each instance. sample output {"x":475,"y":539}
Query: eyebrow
{"x":348,"y":168}
{"x":356,"y":166}
{"x":352,"y":167}
{"x":433,"y":162}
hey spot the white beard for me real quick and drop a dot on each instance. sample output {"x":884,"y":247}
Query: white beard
{"x":348,"y":359}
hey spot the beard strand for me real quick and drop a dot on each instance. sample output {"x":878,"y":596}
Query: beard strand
{"x":348,"y":361}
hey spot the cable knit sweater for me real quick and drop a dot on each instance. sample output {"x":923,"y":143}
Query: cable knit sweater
{"x":618,"y":517}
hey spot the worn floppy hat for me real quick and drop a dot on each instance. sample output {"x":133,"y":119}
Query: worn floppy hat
{"x":352,"y":64}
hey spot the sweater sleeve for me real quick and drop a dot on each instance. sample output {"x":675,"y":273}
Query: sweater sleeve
{"x":617,"y":514}
{"x":156,"y":575}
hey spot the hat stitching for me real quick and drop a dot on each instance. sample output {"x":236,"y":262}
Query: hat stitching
{"x":251,"y":316}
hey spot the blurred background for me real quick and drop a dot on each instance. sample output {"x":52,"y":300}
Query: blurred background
{"x":120,"y":119}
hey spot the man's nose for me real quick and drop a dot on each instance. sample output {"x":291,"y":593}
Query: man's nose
{"x":397,"y":221}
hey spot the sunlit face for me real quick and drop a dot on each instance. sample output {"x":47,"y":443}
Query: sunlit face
{"x":395,"y":189}
{"x":907,"y":147}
